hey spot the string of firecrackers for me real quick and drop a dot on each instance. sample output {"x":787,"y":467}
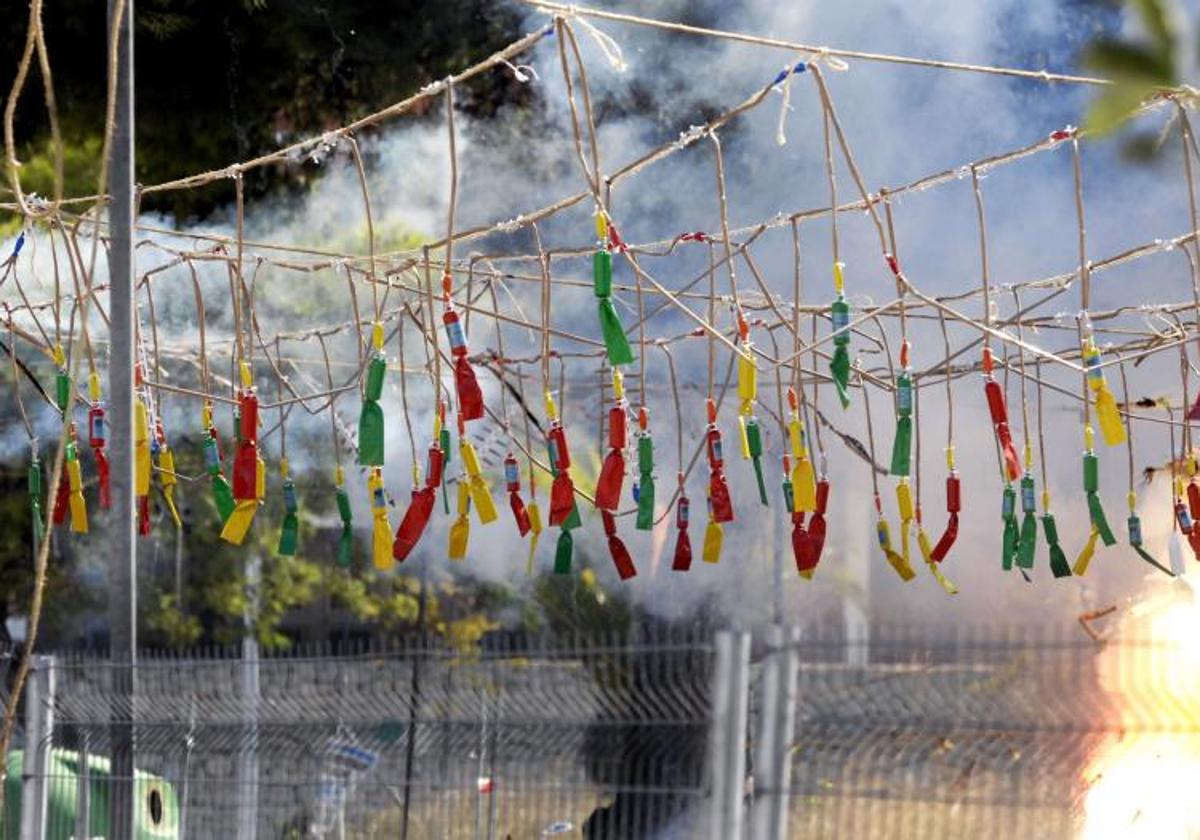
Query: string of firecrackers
{"x":236,"y":505}
{"x":247,"y":405}
{"x":250,"y":461}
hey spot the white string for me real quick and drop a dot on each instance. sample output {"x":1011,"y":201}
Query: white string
{"x":784,"y":87}
{"x":521,"y":72}
{"x":829,"y":60}
{"x":607,"y":44}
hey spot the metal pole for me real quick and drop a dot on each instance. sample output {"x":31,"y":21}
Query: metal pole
{"x":789,"y":673}
{"x":765,"y":789}
{"x":717,"y":770}
{"x":35,"y":768}
{"x":83,"y":788}
{"x":727,"y":742}
{"x":777,"y":727}
{"x":247,"y":766}
{"x":735,"y":759}
{"x":122,"y":578}
{"x":414,"y":699}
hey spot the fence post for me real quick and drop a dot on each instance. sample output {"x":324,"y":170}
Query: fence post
{"x":727,"y":742}
{"x":772,"y":764}
{"x":83,"y":788}
{"x":39,"y":727}
{"x":247,"y":764}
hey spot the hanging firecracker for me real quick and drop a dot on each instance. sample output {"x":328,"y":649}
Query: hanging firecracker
{"x":645,"y":486}
{"x":481,"y":494}
{"x":1027,"y":539}
{"x":748,"y":430}
{"x":512,"y":483}
{"x":800,"y":541}
{"x":902,"y":443}
{"x":616,"y":548}
{"x":420,"y":509}
{"x":839,"y":316}
{"x":1059,"y":567}
{"x":563,"y":510}
{"x":74,"y":480}
{"x":1135,"y":536}
{"x":953,"y":508}
{"x":98,"y":440}
{"x":902,"y":449}
{"x":1091,"y":489}
{"x":345,"y":550}
{"x":816,"y":526}
{"x":289,"y":532}
{"x":62,"y":382}
{"x":612,"y":472}
{"x":248,"y":471}
{"x":720,"y":507}
{"x":34,"y":484}
{"x":142,"y":464}
{"x":222,"y":493}
{"x":460,"y":529}
{"x":381,"y":528}
{"x":927,"y":553}
{"x":883,"y":536}
{"x":718,"y":488}
{"x":682,"y":559}
{"x":562,"y":491}
{"x":535,"y":522}
{"x":370,"y":421}
{"x":615,"y":341}
{"x":470,"y":396}
{"x":1011,"y":533}
{"x":166,"y":470}
{"x":803,"y":477}
{"x":1109,"y":417}
{"x":999,"y":415}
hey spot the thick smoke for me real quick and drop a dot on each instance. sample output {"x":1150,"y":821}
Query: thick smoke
{"x":902,"y":123}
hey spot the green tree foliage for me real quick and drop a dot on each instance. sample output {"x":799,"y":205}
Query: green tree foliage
{"x":225,"y":80}
{"x":1139,"y":68}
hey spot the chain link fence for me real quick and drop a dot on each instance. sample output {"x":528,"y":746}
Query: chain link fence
{"x":893,"y":731}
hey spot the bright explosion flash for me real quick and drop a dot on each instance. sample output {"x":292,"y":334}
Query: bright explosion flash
{"x":1144,"y":781}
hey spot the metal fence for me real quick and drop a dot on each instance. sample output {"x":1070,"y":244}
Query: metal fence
{"x":888,"y":732}
{"x":521,"y":737}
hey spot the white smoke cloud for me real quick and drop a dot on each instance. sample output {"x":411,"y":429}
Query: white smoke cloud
{"x":902,"y":123}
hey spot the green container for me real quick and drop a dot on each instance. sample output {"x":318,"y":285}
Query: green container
{"x":840,"y":316}
{"x":602,"y":274}
{"x":645,"y":455}
{"x":645,"y":509}
{"x":222,"y":497}
{"x":902,"y":447}
{"x":616,"y":343}
{"x":753,"y":438}
{"x":1028,"y":495}
{"x":789,"y":496}
{"x":573,"y":519}
{"x":375,"y":372}
{"x":343,"y":504}
{"x":904,"y":395}
{"x":562,"y":553}
{"x":370,"y":434}
{"x":156,"y":802}
{"x":1091,"y":473}
{"x":1050,"y":528}
{"x":62,"y":391}
{"x":35,"y":479}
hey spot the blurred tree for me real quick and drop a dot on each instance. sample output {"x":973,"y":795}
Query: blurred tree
{"x":223,"y":80}
{"x":1140,"y":68}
